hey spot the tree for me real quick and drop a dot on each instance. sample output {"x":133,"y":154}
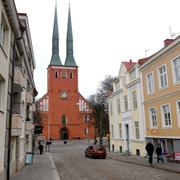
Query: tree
{"x":99,"y":105}
{"x":37,"y":123}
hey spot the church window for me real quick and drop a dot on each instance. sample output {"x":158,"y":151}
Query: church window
{"x":63,"y":118}
{"x":56,"y":74}
{"x":63,"y":94}
{"x":64,"y":74}
{"x":71,"y":75}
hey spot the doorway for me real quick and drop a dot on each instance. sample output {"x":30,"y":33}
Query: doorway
{"x":127,"y":136}
{"x":64,"y":133}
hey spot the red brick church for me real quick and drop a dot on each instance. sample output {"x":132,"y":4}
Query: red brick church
{"x":64,"y":112}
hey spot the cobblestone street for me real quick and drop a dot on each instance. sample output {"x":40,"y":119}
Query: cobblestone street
{"x":67,"y":162}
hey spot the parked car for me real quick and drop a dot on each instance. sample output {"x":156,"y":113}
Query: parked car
{"x":95,"y":151}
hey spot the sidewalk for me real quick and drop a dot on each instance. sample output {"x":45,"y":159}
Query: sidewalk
{"x":43,"y":168}
{"x":168,"y":166}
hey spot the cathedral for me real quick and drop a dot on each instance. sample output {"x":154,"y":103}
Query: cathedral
{"x":64,"y":112}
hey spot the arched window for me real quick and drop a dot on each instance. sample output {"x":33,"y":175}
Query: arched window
{"x":64,"y":74}
{"x":56,"y":74}
{"x":71,"y":75}
{"x":63,"y":119}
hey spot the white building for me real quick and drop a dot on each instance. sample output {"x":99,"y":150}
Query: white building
{"x":125,"y":112}
{"x":16,"y":101}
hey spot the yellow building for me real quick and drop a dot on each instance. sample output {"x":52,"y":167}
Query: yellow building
{"x":160,"y":76}
{"x":125,"y":112}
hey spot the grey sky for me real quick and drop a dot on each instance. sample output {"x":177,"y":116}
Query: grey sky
{"x":105,"y":33}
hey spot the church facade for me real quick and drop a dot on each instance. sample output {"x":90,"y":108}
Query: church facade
{"x":64,"y":112}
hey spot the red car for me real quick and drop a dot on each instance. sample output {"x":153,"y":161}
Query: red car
{"x":97,"y":151}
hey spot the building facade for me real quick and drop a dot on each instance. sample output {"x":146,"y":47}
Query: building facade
{"x":17,"y":89}
{"x":161,"y":89}
{"x":125,"y":112}
{"x":64,"y":112}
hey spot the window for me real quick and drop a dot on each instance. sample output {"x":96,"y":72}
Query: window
{"x":111,"y":110}
{"x":136,"y":123}
{"x":3,"y":32}
{"x":166,"y":115}
{"x":176,"y":70}
{"x":64,"y":74}
{"x":86,"y":118}
{"x":63,"y":119}
{"x":1,"y":94}
{"x":153,"y":117}
{"x":86,"y":131}
{"x":163,"y":77}
{"x":178,"y":112}
{"x":125,"y":102}
{"x":71,"y":75}
{"x":120,"y":130}
{"x":134,"y":97}
{"x":118,"y":106}
{"x":112,"y":131}
{"x":132,"y":75}
{"x":150,"y":83}
{"x":56,"y":74}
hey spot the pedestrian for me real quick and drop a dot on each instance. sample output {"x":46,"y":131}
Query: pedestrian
{"x":40,"y":148}
{"x":150,"y":150}
{"x":159,"y":153}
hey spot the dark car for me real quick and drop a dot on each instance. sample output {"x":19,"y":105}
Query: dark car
{"x":96,"y":151}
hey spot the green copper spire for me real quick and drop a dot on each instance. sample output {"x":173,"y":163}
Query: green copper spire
{"x":55,"y":59}
{"x":70,"y":61}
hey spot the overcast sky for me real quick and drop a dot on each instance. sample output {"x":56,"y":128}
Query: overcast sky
{"x":105,"y":32}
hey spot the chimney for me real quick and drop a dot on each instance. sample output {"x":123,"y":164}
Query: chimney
{"x":167,"y":42}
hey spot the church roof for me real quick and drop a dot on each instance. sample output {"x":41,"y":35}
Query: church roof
{"x":55,"y":58}
{"x":70,"y":61}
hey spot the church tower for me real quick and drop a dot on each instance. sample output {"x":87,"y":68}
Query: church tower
{"x":67,"y":114}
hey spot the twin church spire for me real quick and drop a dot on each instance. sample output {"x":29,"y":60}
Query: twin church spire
{"x":55,"y":59}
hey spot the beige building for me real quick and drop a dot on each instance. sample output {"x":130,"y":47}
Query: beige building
{"x":125,"y":112}
{"x":161,"y":88}
{"x":17,"y":88}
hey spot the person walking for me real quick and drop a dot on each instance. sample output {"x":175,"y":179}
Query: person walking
{"x":40,"y":148}
{"x":150,"y":150}
{"x":159,"y":153}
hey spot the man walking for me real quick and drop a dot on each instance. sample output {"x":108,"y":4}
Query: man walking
{"x":150,"y":150}
{"x":159,"y":154}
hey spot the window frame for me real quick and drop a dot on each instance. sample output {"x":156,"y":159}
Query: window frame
{"x":4,"y":35}
{"x":125,"y":102}
{"x":86,"y":131}
{"x":163,"y":117}
{"x":120,"y":130}
{"x":173,"y":70}
{"x":134,"y":99}
{"x":147,"y":84}
{"x":159,"y":76}
{"x":178,"y":112}
{"x":118,"y":105}
{"x":137,"y":131}
{"x":151,"y":119}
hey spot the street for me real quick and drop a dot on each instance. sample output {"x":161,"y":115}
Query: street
{"x":71,"y":164}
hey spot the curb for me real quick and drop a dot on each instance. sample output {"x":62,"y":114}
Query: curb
{"x":147,"y":165}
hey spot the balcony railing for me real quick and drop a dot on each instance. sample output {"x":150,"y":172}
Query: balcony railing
{"x":18,"y":79}
{"x":29,"y":126}
{"x":29,"y":97}
{"x":17,"y":125}
{"x":127,"y":115}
